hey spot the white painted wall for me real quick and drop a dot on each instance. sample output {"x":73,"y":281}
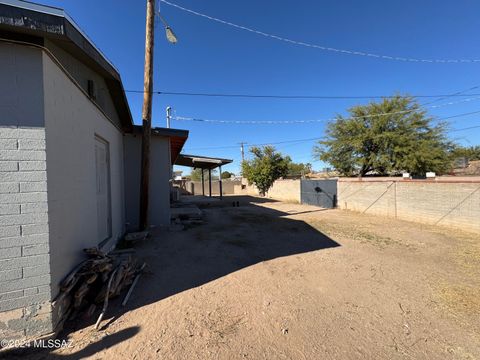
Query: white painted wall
{"x":72,"y":122}
{"x":82,"y":73}
{"x":21,"y":90}
{"x":160,"y":174}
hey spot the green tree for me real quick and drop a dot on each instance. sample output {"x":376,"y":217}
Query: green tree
{"x":295,"y":169}
{"x":266,"y":166}
{"x":469,"y":152}
{"x":196,"y":175}
{"x":227,"y":174}
{"x":386,"y":138}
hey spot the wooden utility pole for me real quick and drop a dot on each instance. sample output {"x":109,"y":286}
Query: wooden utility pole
{"x":242,"y":150}
{"x":147,"y":114}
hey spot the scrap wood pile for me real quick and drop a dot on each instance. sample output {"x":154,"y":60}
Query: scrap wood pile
{"x":95,"y":280}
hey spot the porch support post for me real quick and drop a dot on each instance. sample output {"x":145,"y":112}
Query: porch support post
{"x":203,"y":183}
{"x":220,"y":181}
{"x":210,"y":182}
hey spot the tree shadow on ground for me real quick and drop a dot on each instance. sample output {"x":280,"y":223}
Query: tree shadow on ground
{"x":230,"y":239}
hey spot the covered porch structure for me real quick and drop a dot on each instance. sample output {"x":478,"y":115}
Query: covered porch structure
{"x":204,"y":163}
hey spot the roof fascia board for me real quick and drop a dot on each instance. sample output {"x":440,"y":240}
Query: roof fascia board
{"x":50,"y":10}
{"x":167,"y":132}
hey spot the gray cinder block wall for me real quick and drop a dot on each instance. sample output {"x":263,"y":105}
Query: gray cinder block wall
{"x":454,"y":203}
{"x":440,"y":202}
{"x":25,"y":290}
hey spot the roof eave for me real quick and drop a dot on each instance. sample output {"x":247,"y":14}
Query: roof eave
{"x":202,"y":162}
{"x":178,"y":138}
{"x":54,"y":24}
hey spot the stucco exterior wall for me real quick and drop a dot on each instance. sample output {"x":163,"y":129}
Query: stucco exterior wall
{"x":284,"y":190}
{"x":160,"y":175}
{"x":21,"y":86}
{"x":82,"y":73}
{"x":228,"y":187}
{"x":453,"y":204}
{"x":245,"y":189}
{"x":72,"y":121}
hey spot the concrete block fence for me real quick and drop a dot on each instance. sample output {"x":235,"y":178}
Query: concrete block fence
{"x":437,"y":202}
{"x":452,"y":202}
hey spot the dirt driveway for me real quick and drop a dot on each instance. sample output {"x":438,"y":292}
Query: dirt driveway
{"x":270,"y":280}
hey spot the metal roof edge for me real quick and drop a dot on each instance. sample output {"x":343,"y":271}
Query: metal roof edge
{"x":161,"y":131}
{"x":50,"y":10}
{"x":205,"y":157}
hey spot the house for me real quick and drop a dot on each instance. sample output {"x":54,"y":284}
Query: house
{"x":177,"y":175}
{"x":69,"y":161}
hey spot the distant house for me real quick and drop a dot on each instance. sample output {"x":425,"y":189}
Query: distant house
{"x":69,"y":160}
{"x":177,"y":175}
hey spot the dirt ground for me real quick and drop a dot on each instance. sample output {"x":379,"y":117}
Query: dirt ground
{"x":271,"y":280}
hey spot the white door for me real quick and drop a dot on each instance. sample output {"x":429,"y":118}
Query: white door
{"x":102,"y":164}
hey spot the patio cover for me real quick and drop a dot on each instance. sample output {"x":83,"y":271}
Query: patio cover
{"x":201,"y":162}
{"x":204,"y":163}
{"x":177,"y":138}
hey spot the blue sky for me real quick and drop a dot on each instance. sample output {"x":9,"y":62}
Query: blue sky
{"x":211,"y":57}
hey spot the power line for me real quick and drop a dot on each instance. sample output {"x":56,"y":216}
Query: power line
{"x":252,"y":145}
{"x":458,"y":93}
{"x":288,"y":141}
{"x":460,"y":115}
{"x":323,"y":137}
{"x":303,"y":97}
{"x":320,"y":47}
{"x":467,"y":128}
{"x":274,"y":122}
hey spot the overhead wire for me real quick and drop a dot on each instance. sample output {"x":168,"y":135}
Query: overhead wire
{"x":319,"y":138}
{"x":256,"y":145}
{"x":274,"y":122}
{"x":467,"y":128}
{"x":458,"y":93}
{"x":323,"y":137}
{"x":305,"y":97}
{"x":320,"y":47}
{"x":459,"y":115}
{"x":439,"y":97}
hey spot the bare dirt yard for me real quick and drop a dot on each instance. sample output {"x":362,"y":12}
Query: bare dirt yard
{"x":271,"y":280}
